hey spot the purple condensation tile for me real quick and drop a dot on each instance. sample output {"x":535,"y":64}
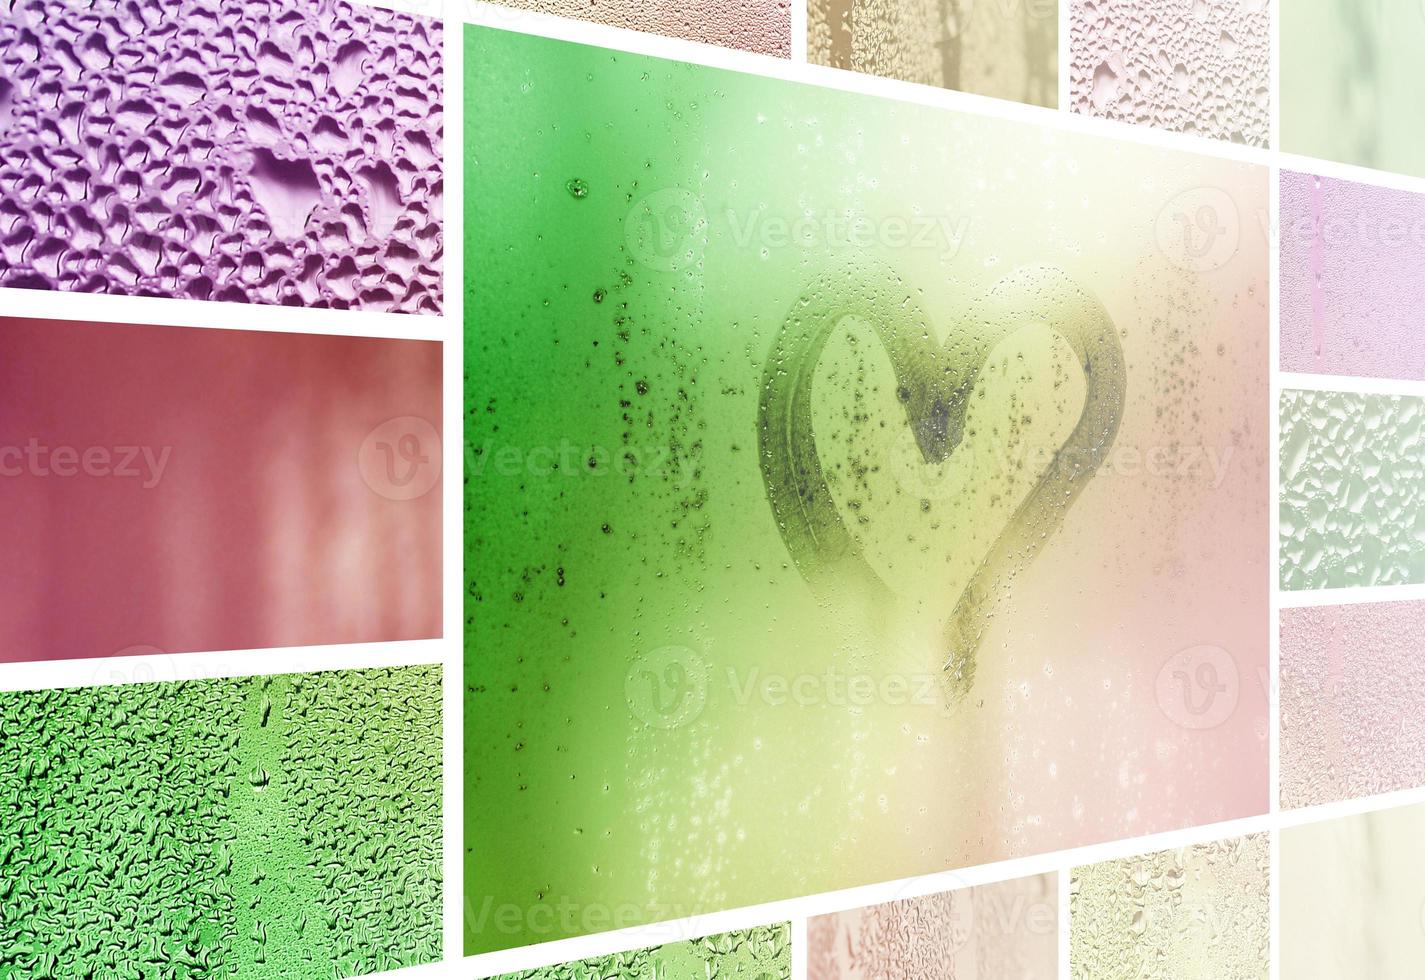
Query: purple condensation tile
{"x":253,"y":151}
{"x":1352,"y":260}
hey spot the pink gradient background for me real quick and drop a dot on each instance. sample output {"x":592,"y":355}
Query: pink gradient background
{"x":1352,"y":260}
{"x":261,"y":531}
{"x":1353,"y":701}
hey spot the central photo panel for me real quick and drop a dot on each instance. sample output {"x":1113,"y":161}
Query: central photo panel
{"x":855,"y":490}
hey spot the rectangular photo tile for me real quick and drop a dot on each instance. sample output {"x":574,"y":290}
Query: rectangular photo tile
{"x":761,"y":953}
{"x":1352,"y":701}
{"x":1353,"y":897}
{"x":759,"y":26}
{"x":1351,"y":78}
{"x":1195,"y":913}
{"x":1201,"y":67}
{"x":1004,"y":931}
{"x":1352,"y":258}
{"x":253,"y":151}
{"x":168,"y":489}
{"x":845,"y":478}
{"x":1004,"y":50}
{"x":1350,"y":487}
{"x":245,"y":828}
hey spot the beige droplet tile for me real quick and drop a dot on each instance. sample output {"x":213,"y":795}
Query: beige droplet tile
{"x":1008,"y":929}
{"x":1003,"y":50}
{"x":1195,"y":913}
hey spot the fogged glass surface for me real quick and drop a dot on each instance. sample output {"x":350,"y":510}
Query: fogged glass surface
{"x":1352,"y":80}
{"x":1006,"y":50}
{"x":854,"y":490}
{"x":1352,"y":897}
{"x":247,"y":827}
{"x":763,"y":953}
{"x":1191,"y":66}
{"x":255,"y":151}
{"x":1350,"y":490}
{"x":1196,"y":913}
{"x":1007,"y":929}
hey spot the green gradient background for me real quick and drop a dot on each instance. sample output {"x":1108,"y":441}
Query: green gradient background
{"x":1353,"y":81}
{"x":627,"y":582}
{"x":763,"y":953}
{"x":284,"y":826}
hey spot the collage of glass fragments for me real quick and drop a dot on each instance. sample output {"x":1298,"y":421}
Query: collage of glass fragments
{"x":712,"y":489}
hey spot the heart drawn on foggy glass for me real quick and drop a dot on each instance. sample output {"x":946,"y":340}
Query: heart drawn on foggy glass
{"x":934,"y":384}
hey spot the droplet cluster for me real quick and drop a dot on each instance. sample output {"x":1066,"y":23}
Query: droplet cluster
{"x":762,"y":953}
{"x":255,"y":151}
{"x":1191,"y":66}
{"x":760,"y":26}
{"x":1009,"y":51}
{"x":1352,"y":512}
{"x":255,"y":827}
{"x":1352,"y":701}
{"x":1007,"y":929}
{"x":1194,"y":912}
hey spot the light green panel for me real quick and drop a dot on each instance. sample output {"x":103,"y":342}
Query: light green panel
{"x":1353,"y":82}
{"x":1352,"y":477}
{"x":254,"y":828}
{"x":763,"y":953}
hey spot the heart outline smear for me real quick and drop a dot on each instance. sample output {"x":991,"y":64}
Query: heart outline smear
{"x":934,"y":384}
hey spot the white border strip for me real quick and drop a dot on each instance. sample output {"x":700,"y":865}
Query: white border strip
{"x":1311,"y":598}
{"x":1351,"y":384}
{"x":454,"y":499}
{"x":48,"y":304}
{"x":157,"y":667}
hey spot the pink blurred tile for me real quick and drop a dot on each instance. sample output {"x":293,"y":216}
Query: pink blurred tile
{"x":1001,"y":930}
{"x":1200,"y":67}
{"x":1352,"y":701}
{"x":178,"y":489}
{"x":1352,"y":260}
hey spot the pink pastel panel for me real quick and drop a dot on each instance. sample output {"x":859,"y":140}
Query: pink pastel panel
{"x":1352,"y":702}
{"x":1352,"y":264}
